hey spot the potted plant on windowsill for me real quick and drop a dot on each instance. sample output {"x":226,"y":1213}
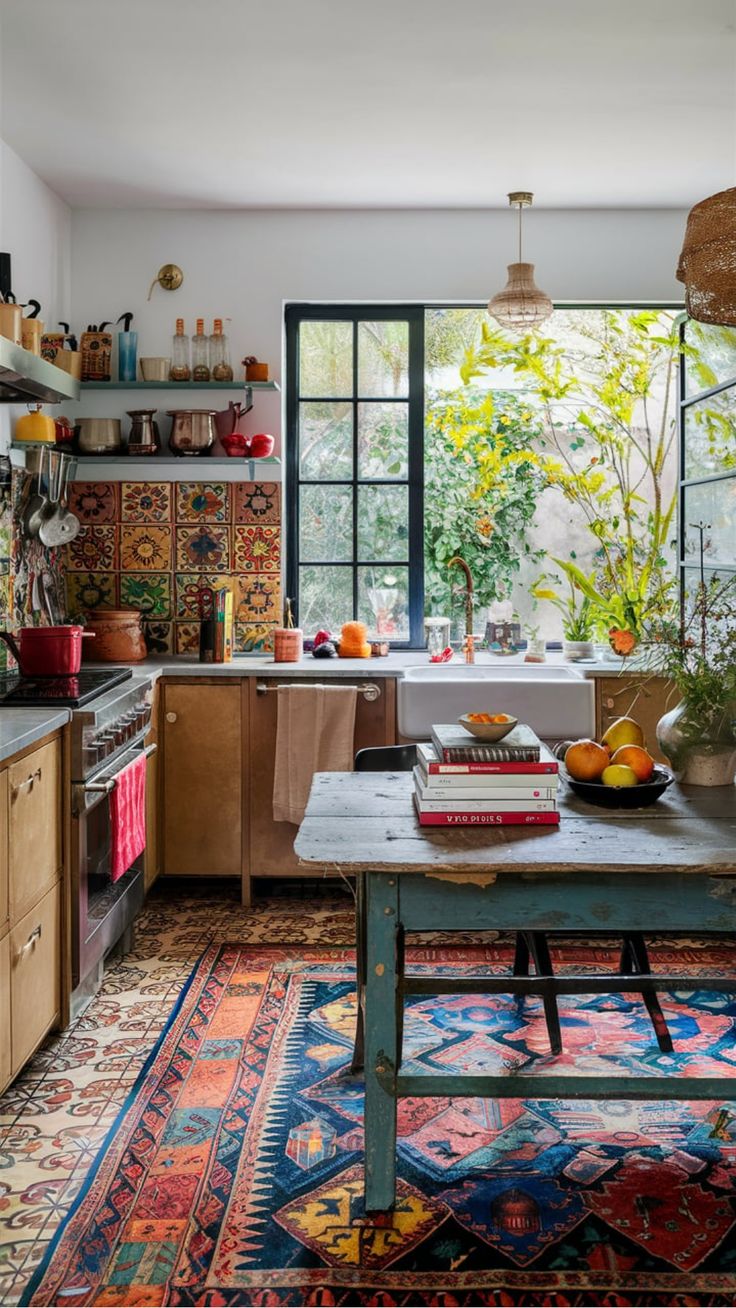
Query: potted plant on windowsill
{"x":578,"y":617}
{"x":698,"y":736}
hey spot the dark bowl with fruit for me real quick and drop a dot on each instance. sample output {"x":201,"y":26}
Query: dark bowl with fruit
{"x":639,"y":796}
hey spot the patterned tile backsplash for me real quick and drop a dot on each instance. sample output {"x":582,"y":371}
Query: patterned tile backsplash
{"x":154,"y":545}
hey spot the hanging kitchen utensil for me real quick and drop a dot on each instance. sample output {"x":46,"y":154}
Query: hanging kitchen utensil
{"x":50,"y":533}
{"x":70,"y":523}
{"x":48,"y":594}
{"x":36,"y":508}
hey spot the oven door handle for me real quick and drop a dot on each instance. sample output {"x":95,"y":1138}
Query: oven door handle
{"x":107,"y":786}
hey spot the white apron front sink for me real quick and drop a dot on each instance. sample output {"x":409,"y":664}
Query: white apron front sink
{"x":558,"y":703}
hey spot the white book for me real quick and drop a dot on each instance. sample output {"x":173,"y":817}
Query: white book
{"x":474,"y":805}
{"x":455,"y":785}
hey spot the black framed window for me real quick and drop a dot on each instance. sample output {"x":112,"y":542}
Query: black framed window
{"x":707,"y":452}
{"x":355,"y":467}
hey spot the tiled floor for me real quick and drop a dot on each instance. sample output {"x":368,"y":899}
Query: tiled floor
{"x":56,"y":1114}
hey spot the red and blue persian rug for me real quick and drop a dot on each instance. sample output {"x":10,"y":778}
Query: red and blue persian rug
{"x":234,"y":1173}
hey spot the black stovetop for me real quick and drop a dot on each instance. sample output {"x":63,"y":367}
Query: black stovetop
{"x":66,"y":692}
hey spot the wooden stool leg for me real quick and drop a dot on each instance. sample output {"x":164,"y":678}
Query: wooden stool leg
{"x":358,"y":1058}
{"x":640,"y":958}
{"x":539,"y":950}
{"x":400,"y":961}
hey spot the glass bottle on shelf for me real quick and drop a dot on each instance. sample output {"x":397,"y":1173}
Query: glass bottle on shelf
{"x":180,"y":370}
{"x":220,"y":354}
{"x":200,"y":354}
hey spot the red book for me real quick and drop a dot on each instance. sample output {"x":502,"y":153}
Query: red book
{"x":549,"y":819}
{"x":547,"y":764}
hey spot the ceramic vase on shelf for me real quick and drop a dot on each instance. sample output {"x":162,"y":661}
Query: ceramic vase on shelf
{"x":700,"y":754}
{"x":573,"y":651}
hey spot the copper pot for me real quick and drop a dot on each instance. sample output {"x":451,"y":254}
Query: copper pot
{"x":119,"y":636}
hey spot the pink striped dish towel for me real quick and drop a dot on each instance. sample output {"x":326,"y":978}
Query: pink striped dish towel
{"x":128,"y":818}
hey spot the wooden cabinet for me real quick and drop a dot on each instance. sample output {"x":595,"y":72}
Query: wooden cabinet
{"x":634,"y":695}
{"x":31,"y":857}
{"x":271,"y":844}
{"x":34,"y":820}
{"x":35,"y":977}
{"x":5,"y":1052}
{"x":203,"y":780}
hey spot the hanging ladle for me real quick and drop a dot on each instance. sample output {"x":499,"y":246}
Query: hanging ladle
{"x":36,"y":507}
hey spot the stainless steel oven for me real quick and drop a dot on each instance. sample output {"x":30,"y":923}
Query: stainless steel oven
{"x":106,"y":736}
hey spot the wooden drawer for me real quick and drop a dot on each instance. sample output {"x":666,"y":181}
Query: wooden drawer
{"x":4,"y":891}
{"x":34,"y":826}
{"x":35,"y":977}
{"x":4,"y":1011}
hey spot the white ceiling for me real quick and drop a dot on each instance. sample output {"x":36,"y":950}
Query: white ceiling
{"x":415,"y":103}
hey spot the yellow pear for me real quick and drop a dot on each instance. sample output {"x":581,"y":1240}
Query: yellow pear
{"x":618,"y":774}
{"x":624,"y":731}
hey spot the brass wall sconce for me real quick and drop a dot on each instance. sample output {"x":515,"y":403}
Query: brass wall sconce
{"x":169,"y":277}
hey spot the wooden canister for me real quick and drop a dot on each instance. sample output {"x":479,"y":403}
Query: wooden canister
{"x":31,"y":333}
{"x":288,"y":644}
{"x":11,"y":322}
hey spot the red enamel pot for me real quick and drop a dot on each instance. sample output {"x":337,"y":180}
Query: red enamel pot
{"x":47,"y":651}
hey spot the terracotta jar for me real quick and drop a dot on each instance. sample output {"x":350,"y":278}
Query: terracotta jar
{"x":119,"y":636}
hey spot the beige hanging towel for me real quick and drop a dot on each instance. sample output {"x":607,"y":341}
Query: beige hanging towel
{"x":315,"y":733}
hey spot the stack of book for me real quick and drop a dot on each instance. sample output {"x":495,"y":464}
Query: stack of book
{"x":461,"y":781}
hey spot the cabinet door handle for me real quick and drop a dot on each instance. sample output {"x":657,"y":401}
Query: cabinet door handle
{"x":31,"y":943}
{"x":27,"y":784}
{"x":171,"y":717}
{"x":610,"y":703}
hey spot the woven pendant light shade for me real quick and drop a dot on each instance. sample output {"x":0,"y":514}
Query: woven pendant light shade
{"x":708,"y":260}
{"x":520,"y":305}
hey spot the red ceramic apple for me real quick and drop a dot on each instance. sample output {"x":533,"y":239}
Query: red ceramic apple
{"x":261,"y":446}
{"x":235,"y":445}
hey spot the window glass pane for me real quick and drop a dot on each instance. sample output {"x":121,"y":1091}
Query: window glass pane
{"x":714,"y":504}
{"x":326,"y":524}
{"x":326,"y":359}
{"x":710,"y":435}
{"x":325,"y":442}
{"x":383,"y":522}
{"x":383,"y":440}
{"x":383,"y":602}
{"x":383,"y":358}
{"x":714,"y":359}
{"x":691,"y":580}
{"x":325,"y":598}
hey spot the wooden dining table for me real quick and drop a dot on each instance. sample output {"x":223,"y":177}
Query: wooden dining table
{"x":669,"y":868}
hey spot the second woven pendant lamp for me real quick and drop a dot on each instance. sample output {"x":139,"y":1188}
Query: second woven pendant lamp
{"x":708,"y":260}
{"x":520,"y":305}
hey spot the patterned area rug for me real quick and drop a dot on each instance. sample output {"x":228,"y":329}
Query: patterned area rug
{"x":234,"y":1172}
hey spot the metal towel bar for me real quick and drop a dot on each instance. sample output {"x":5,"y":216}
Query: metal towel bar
{"x":368,"y":689}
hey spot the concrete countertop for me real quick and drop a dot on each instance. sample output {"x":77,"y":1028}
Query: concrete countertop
{"x":21,"y":727}
{"x":393,"y":665}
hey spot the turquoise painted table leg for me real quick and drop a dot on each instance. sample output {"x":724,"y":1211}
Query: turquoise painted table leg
{"x":382,"y":895}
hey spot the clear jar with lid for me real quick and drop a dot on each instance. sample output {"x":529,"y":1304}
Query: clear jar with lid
{"x":220,"y":366}
{"x":180,"y":370}
{"x":200,"y":354}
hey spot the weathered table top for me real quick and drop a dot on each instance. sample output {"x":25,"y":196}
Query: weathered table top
{"x":365,"y":822}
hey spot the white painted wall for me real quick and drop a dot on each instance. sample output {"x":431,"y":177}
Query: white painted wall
{"x":244,"y":265}
{"x":35,"y":226}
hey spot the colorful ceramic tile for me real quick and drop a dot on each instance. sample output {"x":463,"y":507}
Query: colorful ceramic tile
{"x":151,"y":592}
{"x":159,"y":637}
{"x":189,"y":586}
{"x":202,"y":501}
{"x":256,"y":502}
{"x":186,"y":637}
{"x":258,"y":597}
{"x":94,"y":550}
{"x":94,"y":502}
{"x":202,"y":549}
{"x":90,"y":590}
{"x":145,"y":501}
{"x":145,"y":549}
{"x":257,"y":549}
{"x":254,"y":637}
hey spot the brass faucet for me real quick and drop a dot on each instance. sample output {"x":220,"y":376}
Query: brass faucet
{"x":468,"y":648}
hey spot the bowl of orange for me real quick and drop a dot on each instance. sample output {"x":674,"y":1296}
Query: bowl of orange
{"x":488,"y":726}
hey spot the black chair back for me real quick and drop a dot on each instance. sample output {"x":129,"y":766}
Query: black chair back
{"x":386,"y":758}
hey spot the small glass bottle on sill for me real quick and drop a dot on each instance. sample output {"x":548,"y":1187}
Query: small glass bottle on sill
{"x":220,"y":366}
{"x":180,"y":370}
{"x":200,"y":354}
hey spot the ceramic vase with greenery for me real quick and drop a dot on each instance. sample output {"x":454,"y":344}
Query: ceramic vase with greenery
{"x":578,"y":616}
{"x":698,"y":735}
